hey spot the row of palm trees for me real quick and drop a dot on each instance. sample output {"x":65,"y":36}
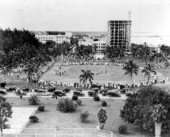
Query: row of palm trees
{"x":130,"y":69}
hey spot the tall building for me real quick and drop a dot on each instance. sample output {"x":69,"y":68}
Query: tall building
{"x":119,"y":33}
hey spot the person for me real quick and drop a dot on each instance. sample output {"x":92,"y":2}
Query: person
{"x":20,"y":96}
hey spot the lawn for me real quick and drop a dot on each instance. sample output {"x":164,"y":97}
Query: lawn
{"x":53,"y":118}
{"x":114,"y":74}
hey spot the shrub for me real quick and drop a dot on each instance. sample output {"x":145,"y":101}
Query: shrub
{"x":74,"y":97}
{"x":84,"y":116}
{"x":3,"y":84}
{"x":79,"y":102}
{"x":122,"y":129}
{"x":66,"y":105}
{"x":41,"y":108}
{"x":34,"y":119}
{"x":104,"y":103}
{"x":34,"y":100}
{"x":102,"y":115}
{"x":96,"y":98}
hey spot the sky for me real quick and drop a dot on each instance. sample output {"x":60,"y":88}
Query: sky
{"x":149,"y":16}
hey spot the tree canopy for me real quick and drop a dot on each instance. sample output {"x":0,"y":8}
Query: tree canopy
{"x":5,"y":113}
{"x":147,"y":106}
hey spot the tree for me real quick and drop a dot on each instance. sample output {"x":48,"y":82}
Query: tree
{"x":148,"y":108}
{"x":102,"y":117}
{"x":148,"y":70}
{"x":131,"y":68}
{"x":5,"y":113}
{"x":159,"y":115}
{"x":113,"y":52}
{"x":86,"y":75}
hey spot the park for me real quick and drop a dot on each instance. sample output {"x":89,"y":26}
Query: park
{"x":54,"y":92}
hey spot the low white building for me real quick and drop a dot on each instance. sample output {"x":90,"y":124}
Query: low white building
{"x":100,"y":48}
{"x":44,"y":37}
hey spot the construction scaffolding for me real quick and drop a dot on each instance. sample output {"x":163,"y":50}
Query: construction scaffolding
{"x":119,"y":33}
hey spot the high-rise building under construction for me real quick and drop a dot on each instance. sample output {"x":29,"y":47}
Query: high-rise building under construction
{"x":119,"y":33}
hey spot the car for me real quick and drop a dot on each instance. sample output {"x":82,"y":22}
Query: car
{"x":91,"y":93}
{"x":11,"y":89}
{"x":78,"y":93}
{"x":59,"y":93}
{"x":113,"y":93}
{"x":26,"y":90}
{"x":3,"y":92}
{"x":42,"y":91}
{"x":66,"y":90}
{"x":103,"y":91}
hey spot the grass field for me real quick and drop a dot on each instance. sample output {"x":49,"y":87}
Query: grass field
{"x":53,"y":118}
{"x":115,"y":74}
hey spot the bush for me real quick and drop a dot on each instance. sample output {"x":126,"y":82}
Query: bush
{"x":96,"y":98}
{"x":102,"y":115}
{"x":104,"y":103}
{"x":122,"y":129}
{"x":84,"y":116}
{"x":3,"y":84}
{"x":66,"y":105}
{"x":74,"y":97}
{"x":41,"y":108}
{"x":79,"y":102}
{"x":34,"y":100}
{"x":34,"y":119}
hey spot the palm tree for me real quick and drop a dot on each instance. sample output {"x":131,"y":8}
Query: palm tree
{"x":131,"y":68}
{"x":148,"y":70}
{"x":159,"y":114}
{"x":86,"y":75}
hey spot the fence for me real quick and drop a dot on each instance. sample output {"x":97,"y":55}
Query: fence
{"x":55,"y":132}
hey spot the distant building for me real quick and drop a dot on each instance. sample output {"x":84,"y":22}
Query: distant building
{"x":119,"y":33}
{"x":86,"y":41}
{"x":100,"y":46}
{"x":58,"y":38}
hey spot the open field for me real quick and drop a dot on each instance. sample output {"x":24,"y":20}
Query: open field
{"x":114,"y":74}
{"x":53,"y":118}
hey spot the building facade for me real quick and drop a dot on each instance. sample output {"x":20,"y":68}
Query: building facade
{"x":100,"y":47}
{"x":119,"y":33}
{"x":44,"y":37}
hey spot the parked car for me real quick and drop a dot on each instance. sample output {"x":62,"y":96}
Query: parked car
{"x":51,"y":89}
{"x":59,"y":93}
{"x":26,"y":90}
{"x":3,"y":92}
{"x":101,"y":91}
{"x":91,"y":93}
{"x":78,"y":93}
{"x":66,"y":90}
{"x":113,"y":93}
{"x":11,"y":89}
